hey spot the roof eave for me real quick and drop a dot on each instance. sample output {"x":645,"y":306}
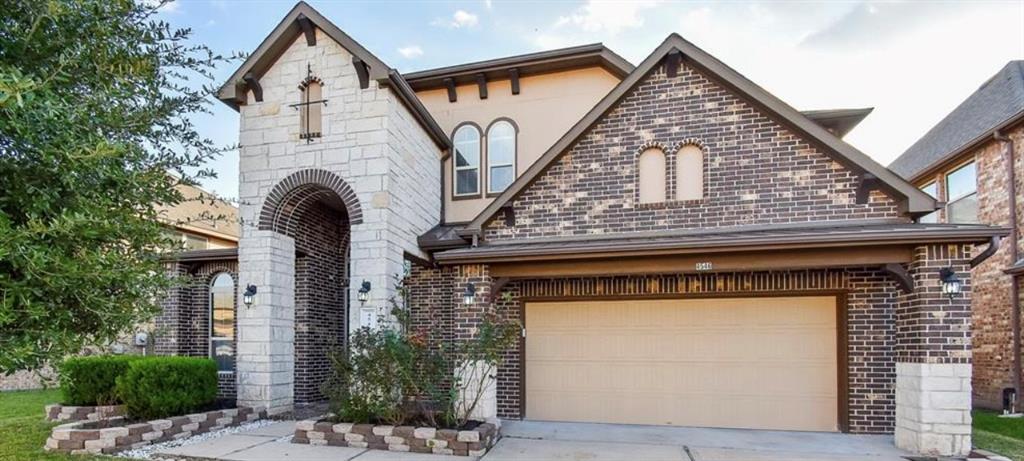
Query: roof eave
{"x":953,"y":157}
{"x":774,"y":242}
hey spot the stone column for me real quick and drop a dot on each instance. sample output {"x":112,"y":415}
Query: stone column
{"x":265,"y":350}
{"x":933,"y":355}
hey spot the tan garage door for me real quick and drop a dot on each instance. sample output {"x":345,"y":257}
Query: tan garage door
{"x":763,"y":363}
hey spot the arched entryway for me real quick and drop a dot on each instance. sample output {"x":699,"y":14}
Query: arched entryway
{"x":317,"y":210}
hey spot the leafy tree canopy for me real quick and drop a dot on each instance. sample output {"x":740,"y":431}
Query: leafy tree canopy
{"x":95,"y":97}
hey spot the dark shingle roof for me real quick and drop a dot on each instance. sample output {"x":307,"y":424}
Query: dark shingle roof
{"x":998,"y":100}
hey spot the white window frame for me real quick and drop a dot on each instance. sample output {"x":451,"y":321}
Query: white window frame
{"x":515,"y":153}
{"x":950,"y":201}
{"x":234,"y":325}
{"x":455,"y":162}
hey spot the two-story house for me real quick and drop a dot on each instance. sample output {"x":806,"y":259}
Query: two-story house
{"x":971,"y":162}
{"x":680,"y":246}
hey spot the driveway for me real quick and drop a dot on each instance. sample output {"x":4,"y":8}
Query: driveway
{"x":532,"y":440}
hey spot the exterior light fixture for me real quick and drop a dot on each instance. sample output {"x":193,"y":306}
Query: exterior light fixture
{"x":950,"y":282}
{"x":364,"y":291}
{"x":469,"y":296}
{"x":249,"y":295}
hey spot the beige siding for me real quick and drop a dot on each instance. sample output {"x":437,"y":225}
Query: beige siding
{"x":761,"y":363}
{"x":546,"y":107}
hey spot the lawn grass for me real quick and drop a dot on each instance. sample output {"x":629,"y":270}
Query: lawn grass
{"x":1000,"y":435}
{"x":23,"y":428}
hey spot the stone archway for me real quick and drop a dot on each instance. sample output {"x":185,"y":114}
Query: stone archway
{"x":317,"y":210}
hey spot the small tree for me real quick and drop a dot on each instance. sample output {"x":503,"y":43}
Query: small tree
{"x":95,"y":97}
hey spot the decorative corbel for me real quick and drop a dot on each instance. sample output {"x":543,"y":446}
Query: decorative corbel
{"x":481,"y":83}
{"x":362,"y":71}
{"x":868,"y":182}
{"x":510,"y":216}
{"x":900,"y":275}
{"x":672,"y":63}
{"x":449,"y":83}
{"x":307,"y":29}
{"x":253,"y":84}
{"x":496,"y":287}
{"x":513,"y":75}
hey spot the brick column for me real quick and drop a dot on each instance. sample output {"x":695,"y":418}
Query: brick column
{"x":467,"y":320}
{"x":265,"y":348}
{"x":933,"y":357}
{"x":167,"y":325}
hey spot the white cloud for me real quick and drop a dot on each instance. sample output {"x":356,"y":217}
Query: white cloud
{"x":488,"y":4}
{"x":460,"y":19}
{"x":608,"y":17}
{"x":411,"y":52}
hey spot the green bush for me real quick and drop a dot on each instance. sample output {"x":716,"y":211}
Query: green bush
{"x":168,"y":386}
{"x":91,"y":380}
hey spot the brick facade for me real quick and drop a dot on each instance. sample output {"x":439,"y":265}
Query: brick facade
{"x":871,"y":300}
{"x":756,"y":170}
{"x":183,"y":326}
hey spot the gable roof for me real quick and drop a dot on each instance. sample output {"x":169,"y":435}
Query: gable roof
{"x":594,"y":54}
{"x":997,"y":101}
{"x":233,"y":91}
{"x":914,"y":201}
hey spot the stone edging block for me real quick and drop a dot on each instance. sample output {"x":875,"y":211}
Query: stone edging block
{"x":110,"y":435}
{"x":57,"y":412}
{"x":474,"y":442}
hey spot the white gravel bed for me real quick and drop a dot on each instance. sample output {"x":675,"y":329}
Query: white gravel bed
{"x":151,"y":451}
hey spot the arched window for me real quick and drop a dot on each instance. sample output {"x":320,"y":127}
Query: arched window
{"x":652,"y":176}
{"x":690,"y":173}
{"x":222,"y":322}
{"x":311,"y":109}
{"x":501,"y":156}
{"x":467,"y":160}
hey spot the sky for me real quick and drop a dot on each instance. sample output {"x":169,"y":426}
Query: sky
{"x":914,"y":62}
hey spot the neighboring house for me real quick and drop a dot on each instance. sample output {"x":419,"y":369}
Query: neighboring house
{"x":682,"y":247}
{"x":964,"y":162}
{"x":201,"y":221}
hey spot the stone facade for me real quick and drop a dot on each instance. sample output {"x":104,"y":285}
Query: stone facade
{"x":372,"y":145}
{"x":471,"y":442}
{"x":756,"y":171}
{"x":111,"y":435}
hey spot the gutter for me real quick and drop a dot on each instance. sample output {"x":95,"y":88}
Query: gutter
{"x":929,"y":171}
{"x":1008,"y":147}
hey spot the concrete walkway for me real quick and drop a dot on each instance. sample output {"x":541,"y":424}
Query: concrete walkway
{"x":530,"y":440}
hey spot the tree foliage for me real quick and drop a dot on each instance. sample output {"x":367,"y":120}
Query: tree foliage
{"x":95,"y":99}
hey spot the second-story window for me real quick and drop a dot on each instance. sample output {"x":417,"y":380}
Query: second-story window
{"x":962,"y":195}
{"x":467,"y":161}
{"x":501,"y":156}
{"x":933,"y":190}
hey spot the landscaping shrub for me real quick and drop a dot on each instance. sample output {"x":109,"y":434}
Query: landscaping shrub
{"x":167,"y":386}
{"x":91,"y":380}
{"x":395,"y":375}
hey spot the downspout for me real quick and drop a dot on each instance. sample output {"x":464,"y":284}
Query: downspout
{"x":1008,"y":148}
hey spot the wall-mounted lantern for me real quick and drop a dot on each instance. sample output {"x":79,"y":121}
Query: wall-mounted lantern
{"x":469,"y":296}
{"x":249,"y":296}
{"x":951,"y":285}
{"x":364,"y":291}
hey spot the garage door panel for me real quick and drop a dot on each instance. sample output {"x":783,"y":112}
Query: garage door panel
{"x":758,"y":363}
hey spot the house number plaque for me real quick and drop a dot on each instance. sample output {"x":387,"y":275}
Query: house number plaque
{"x":704,"y":266}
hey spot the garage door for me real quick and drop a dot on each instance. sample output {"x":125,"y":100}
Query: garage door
{"x":761,"y":363}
